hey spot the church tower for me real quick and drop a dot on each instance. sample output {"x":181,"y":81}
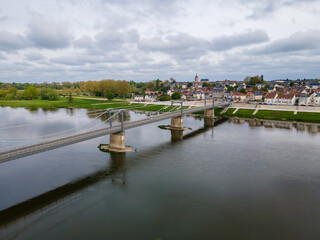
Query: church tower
{"x":196,"y":78}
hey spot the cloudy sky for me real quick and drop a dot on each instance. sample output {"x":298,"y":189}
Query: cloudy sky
{"x":141,"y":40}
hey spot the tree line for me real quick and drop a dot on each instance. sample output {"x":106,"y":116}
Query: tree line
{"x":51,"y":91}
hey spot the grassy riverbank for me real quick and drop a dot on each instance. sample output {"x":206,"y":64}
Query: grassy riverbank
{"x":103,"y":104}
{"x":82,"y":103}
{"x":217,"y":112}
{"x":275,"y":115}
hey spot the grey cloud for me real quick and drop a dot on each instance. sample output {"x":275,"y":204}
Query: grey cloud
{"x":83,"y":59}
{"x":156,"y":7}
{"x":178,"y":45}
{"x":243,"y":39}
{"x":33,"y":56}
{"x":46,"y":34}
{"x":265,"y":8}
{"x":3,"y":18}
{"x":264,"y":11}
{"x":84,"y":42}
{"x":2,"y":56}
{"x":299,"y":41}
{"x":287,"y":67}
{"x":9,"y":41}
{"x":107,"y":41}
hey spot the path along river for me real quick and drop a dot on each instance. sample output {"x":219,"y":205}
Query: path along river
{"x":238,"y":180}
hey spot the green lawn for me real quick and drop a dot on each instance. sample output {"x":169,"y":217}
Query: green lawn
{"x":275,"y":115}
{"x":81,"y":103}
{"x":240,"y":113}
{"x":103,"y":104}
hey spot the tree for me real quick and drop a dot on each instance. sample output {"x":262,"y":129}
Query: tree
{"x":164,"y":97}
{"x":2,"y":93}
{"x":48,"y":94}
{"x":243,"y":90}
{"x":8,"y":96}
{"x":122,"y":88}
{"x":253,"y":80}
{"x":110,"y":95}
{"x":12,"y":91}
{"x":30,"y":93}
{"x":230,"y":88}
{"x":176,"y":95}
{"x":205,"y":84}
{"x":247,"y":79}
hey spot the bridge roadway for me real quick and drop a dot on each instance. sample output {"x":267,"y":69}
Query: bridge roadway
{"x":28,"y":150}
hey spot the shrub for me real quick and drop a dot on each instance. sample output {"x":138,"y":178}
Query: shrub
{"x":3,"y":93}
{"x":9,"y":96}
{"x":30,"y":93}
{"x":48,"y":94}
{"x":176,"y":95}
{"x":110,"y":95}
{"x":165,"y":98}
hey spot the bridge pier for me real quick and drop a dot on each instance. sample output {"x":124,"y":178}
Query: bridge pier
{"x":209,"y":113}
{"x":177,"y":123}
{"x":209,"y":118}
{"x":117,"y":143}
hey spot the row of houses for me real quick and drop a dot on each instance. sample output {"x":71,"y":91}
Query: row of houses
{"x":293,"y":99}
{"x":275,"y":92}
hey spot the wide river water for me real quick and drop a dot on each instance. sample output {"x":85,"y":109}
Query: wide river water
{"x":238,"y":180}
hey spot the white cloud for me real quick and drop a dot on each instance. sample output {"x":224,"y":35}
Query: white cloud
{"x":43,"y":40}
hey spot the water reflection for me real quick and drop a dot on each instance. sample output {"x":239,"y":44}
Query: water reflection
{"x":209,"y":122}
{"x":116,"y":172}
{"x":70,"y":111}
{"x":33,"y":110}
{"x":311,"y":128}
{"x":49,"y":110}
{"x":117,"y":164}
{"x":176,"y":135}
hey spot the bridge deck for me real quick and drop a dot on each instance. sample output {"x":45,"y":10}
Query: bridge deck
{"x":63,"y":141}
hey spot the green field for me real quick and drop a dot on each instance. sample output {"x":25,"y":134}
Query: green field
{"x":103,"y":104}
{"x":217,"y":112}
{"x":82,"y":103}
{"x":275,"y":115}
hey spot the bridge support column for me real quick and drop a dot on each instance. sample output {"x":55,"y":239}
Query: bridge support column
{"x":117,"y":143}
{"x":177,"y":123}
{"x":209,"y":113}
{"x":209,"y":118}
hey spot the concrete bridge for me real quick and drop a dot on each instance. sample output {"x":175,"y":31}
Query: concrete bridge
{"x":116,"y":134}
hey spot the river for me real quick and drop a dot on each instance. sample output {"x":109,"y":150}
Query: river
{"x":238,"y":180}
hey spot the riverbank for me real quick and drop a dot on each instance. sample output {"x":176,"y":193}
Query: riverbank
{"x":82,"y":103}
{"x":292,"y":114}
{"x":311,"y":117}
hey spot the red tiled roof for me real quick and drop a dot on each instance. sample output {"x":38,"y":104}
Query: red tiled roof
{"x":238,"y":94}
{"x":286,"y":96}
{"x":271,"y":95}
